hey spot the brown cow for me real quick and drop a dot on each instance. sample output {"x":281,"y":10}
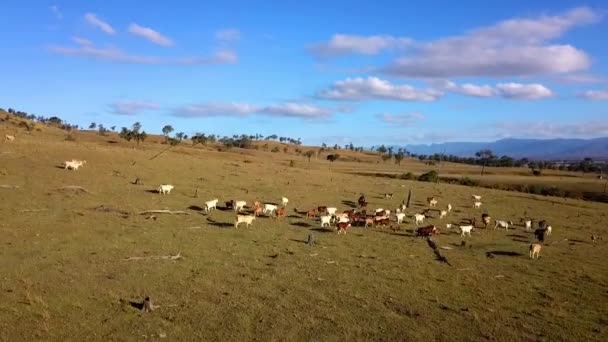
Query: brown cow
{"x":257,"y":211}
{"x":342,"y":227}
{"x":322,"y":209}
{"x":427,"y":231}
{"x":280,"y":213}
{"x":311,"y":213}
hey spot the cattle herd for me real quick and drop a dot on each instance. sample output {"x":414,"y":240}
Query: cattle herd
{"x":379,"y":217}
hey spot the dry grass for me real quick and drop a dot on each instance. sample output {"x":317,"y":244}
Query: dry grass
{"x":64,"y":275}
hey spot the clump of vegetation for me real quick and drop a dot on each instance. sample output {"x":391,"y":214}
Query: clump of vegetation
{"x":468,"y":181}
{"x":408,"y":176}
{"x":537,"y":172}
{"x":275,"y":149}
{"x":292,"y":163}
{"x":431,"y":176}
{"x":333,"y":157}
{"x":134,"y":133}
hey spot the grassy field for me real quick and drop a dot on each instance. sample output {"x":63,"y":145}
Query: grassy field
{"x":64,"y":275}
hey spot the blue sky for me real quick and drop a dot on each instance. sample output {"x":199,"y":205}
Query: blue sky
{"x":391,"y":72}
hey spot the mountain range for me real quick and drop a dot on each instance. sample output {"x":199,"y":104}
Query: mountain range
{"x":538,"y":149}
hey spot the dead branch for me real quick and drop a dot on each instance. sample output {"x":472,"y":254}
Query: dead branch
{"x":75,"y":187}
{"x":157,"y":257}
{"x":161,"y":211}
{"x":8,"y":186}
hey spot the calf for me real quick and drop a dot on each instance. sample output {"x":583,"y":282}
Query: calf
{"x":477,"y":205}
{"x":269,"y":208}
{"x":432,"y":201}
{"x":449,"y":208}
{"x":535,"y":250}
{"x":247,"y":219}
{"x":311,"y":213}
{"x":342,"y":227}
{"x":165,"y":189}
{"x":528,"y":224}
{"x":284,"y":201}
{"x":419,"y":218}
{"x":257,"y":211}
{"x":369,"y":221}
{"x":400,"y":217}
{"x":486,"y":219}
{"x":426,"y":231}
{"x":230,"y":204}
{"x":280,"y":213}
{"x":443,"y":214}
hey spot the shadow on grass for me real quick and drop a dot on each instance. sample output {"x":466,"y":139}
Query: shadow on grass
{"x":517,"y":236}
{"x":491,"y":254}
{"x":138,"y":306}
{"x":349,"y":204}
{"x":220,"y":224}
{"x":323,"y":230}
{"x":301,"y":224}
{"x":154,"y":191}
{"x":196,"y":208}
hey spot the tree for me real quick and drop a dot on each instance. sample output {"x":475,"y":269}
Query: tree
{"x":92,"y":125}
{"x":386,"y":157}
{"x":381,"y":149}
{"x":484,"y":156}
{"x":167,"y":130}
{"x":141,"y":137}
{"x":136,"y":127}
{"x":181,"y":136}
{"x":113,"y":128}
{"x":399,"y":157}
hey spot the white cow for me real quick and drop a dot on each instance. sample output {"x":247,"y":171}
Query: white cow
{"x":284,"y":201}
{"x":165,"y":189}
{"x":325,"y":220}
{"x":477,"y":205}
{"x":247,"y":219}
{"x":419,"y":218}
{"x":477,"y":197}
{"x":211,"y":205}
{"x":549,"y":229}
{"x":528,"y":224}
{"x":74,"y":164}
{"x":449,"y":208}
{"x":331,"y":211}
{"x":443,"y":214}
{"x":239,"y":205}
{"x":9,"y":138}
{"x":269,"y":208}
{"x":465,"y":229}
{"x":503,"y":224}
{"x":400,"y":217}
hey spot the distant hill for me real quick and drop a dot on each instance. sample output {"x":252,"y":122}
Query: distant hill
{"x":550,"y":149}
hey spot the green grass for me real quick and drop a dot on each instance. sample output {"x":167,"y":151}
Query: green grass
{"x":63,"y":275}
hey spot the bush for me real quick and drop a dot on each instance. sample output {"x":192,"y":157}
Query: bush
{"x":408,"y":176}
{"x":292,"y":163}
{"x":537,"y":172}
{"x":468,"y":181}
{"x":275,"y":149}
{"x":431,"y":176}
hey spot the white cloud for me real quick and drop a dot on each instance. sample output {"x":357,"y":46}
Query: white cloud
{"x":401,"y":119}
{"x":93,"y":20}
{"x":149,"y":34}
{"x":132,"y":107}
{"x":82,"y":41}
{"x":512,"y":91}
{"x":579,"y":79}
{"x":359,"y":89}
{"x":228,"y":35}
{"x":596,"y":95}
{"x":112,"y":54}
{"x":516,"y":47}
{"x":342,"y":44}
{"x":57,"y":12}
{"x":519,"y":91}
{"x":288,"y":109}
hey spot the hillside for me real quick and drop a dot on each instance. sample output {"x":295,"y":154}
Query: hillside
{"x":540,"y":149}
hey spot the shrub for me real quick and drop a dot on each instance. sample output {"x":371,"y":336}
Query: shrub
{"x":292,"y":163}
{"x":430,"y":176}
{"x":468,"y":181}
{"x":275,"y":149}
{"x":408,"y":176}
{"x":537,"y":172}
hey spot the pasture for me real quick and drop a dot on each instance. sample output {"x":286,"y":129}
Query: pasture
{"x":65,"y":272}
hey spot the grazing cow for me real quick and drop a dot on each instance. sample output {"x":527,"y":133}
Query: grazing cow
{"x":342,"y":227}
{"x":477,"y":205}
{"x":449,"y":208}
{"x":311,"y":213}
{"x":280,"y":213}
{"x":257,"y":211}
{"x":388,"y":196}
{"x":426,"y":231}
{"x":211,"y":205}
{"x":486,"y":219}
{"x":549,"y":229}
{"x":230,"y":204}
{"x":284,"y":201}
{"x":382,"y":220}
{"x":247,"y":219}
{"x":465,"y":229}
{"x":503,"y":224}
{"x":535,"y":250}
{"x":325,"y":220}
{"x":400,"y":217}
{"x":165,"y":189}
{"x":477,"y":197}
{"x":9,"y":138}
{"x":419,"y":218}
{"x":269,"y":208}
{"x":239,"y":205}
{"x":342,"y":217}
{"x":432,"y":201}
{"x":443,"y":214}
{"x":74,"y":164}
